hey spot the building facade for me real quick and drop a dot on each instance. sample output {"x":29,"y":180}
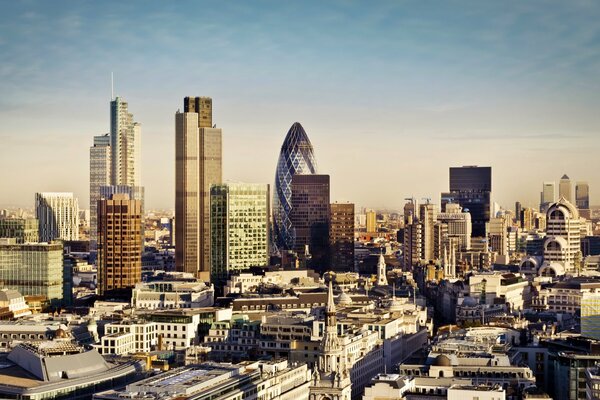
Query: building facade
{"x":33,"y":269}
{"x":100,"y":175}
{"x":471,"y":187}
{"x":341,"y":236}
{"x":198,"y":148}
{"x":309,"y":217}
{"x":239,"y":223}
{"x":23,"y":230}
{"x":119,"y":238}
{"x":565,"y":188}
{"x":57,"y":215}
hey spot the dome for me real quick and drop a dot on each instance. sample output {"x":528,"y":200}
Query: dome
{"x":442,"y":361}
{"x":551,"y":269}
{"x":469,"y":302}
{"x":344,"y":299}
{"x":396,"y":304}
{"x":60,"y":333}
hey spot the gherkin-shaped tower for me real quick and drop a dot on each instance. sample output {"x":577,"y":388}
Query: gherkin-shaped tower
{"x":296,"y":158}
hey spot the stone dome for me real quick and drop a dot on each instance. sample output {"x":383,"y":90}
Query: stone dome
{"x":442,"y":361}
{"x":344,"y":299}
{"x":60,"y":333}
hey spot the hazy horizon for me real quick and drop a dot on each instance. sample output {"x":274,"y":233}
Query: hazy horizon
{"x":391,"y":94}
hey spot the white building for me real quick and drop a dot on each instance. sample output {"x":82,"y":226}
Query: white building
{"x":457,"y":226}
{"x":125,"y":145}
{"x":58,"y":216}
{"x":563,"y":229}
{"x":513,"y":289}
{"x":144,"y":336}
{"x":165,"y":294}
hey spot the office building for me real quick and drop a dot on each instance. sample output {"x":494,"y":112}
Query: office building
{"x":133,"y":192}
{"x":100,"y":175}
{"x":565,"y":189}
{"x":239,"y":223}
{"x":125,"y":145}
{"x":590,"y":315}
{"x":341,"y":236}
{"x":582,"y":199}
{"x":413,"y":236}
{"x":57,"y":215}
{"x":23,"y":230}
{"x":371,"y":221}
{"x":497,"y":230}
{"x":296,"y":158}
{"x":471,"y":187}
{"x":563,"y":235}
{"x":457,"y":227}
{"x":119,"y":238}
{"x":33,"y":269}
{"x":309,"y":218}
{"x":428,"y":214}
{"x":547,"y":196}
{"x":197,"y":167}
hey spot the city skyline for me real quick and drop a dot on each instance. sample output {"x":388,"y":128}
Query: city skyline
{"x":522,"y":83}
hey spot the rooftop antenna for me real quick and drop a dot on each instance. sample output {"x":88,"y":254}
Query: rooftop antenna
{"x":112,"y":86}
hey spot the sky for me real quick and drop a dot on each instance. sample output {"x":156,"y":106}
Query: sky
{"x":391,"y":94}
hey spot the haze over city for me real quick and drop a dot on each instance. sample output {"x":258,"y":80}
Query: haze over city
{"x":390,"y":96}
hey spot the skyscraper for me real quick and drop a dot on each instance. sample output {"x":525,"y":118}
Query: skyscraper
{"x":412,"y":246}
{"x":100,"y":175}
{"x":125,"y":145}
{"x":239,"y":224}
{"x":498,"y":237}
{"x":58,"y":216}
{"x":296,"y":158}
{"x":341,"y":236}
{"x":428,"y":219}
{"x":371,"y":221}
{"x":119,"y":237}
{"x":309,"y":217}
{"x":547,"y":196}
{"x":471,"y":187}
{"x":582,"y":198}
{"x":197,"y":167}
{"x":565,"y":188}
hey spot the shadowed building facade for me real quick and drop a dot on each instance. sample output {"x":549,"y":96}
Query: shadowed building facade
{"x":119,"y":238}
{"x":310,"y":218}
{"x":341,"y":236}
{"x":197,"y":167}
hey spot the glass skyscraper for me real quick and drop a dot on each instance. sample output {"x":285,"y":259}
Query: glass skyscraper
{"x":296,"y":158}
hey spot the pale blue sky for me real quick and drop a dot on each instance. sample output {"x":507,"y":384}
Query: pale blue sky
{"x":390,"y":93}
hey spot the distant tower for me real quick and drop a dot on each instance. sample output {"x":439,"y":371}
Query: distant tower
{"x":565,"y":189}
{"x":381,"y":271}
{"x":330,"y":378}
{"x":58,"y":216}
{"x":100,"y":175}
{"x":125,"y":145}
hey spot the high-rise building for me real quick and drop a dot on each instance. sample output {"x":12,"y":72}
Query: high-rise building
{"x":296,"y":158}
{"x":518,"y":209}
{"x":119,"y":238}
{"x":125,"y":145}
{"x":428,"y":214}
{"x":497,"y":231}
{"x":371,"y":221}
{"x":412,"y":247}
{"x":582,"y":198}
{"x":590,"y":314}
{"x":547,"y":196}
{"x":23,"y":230}
{"x":58,"y":216}
{"x":563,"y":235}
{"x":34,"y":269}
{"x":309,"y":217}
{"x":341,"y":236}
{"x":565,"y":189}
{"x":471,"y":187}
{"x":100,"y":175}
{"x":239,"y":223}
{"x":197,"y":166}
{"x":527,"y":219}
{"x":455,"y":229}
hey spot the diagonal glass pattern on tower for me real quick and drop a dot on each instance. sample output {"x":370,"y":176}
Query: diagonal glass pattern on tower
{"x":296,"y":158}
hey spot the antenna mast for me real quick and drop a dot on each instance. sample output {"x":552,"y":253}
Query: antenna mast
{"x":112,"y":86}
